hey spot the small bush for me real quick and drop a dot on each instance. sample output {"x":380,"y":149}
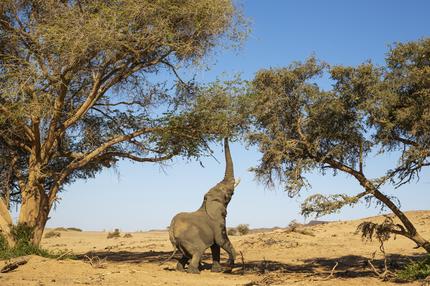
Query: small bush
{"x":415,"y":270}
{"x":231,"y":231}
{"x":52,"y":234}
{"x":114,"y":234}
{"x":60,"y":229}
{"x":22,"y":235}
{"x":243,"y":229}
{"x":74,"y":229}
{"x":128,"y":235}
{"x":297,"y":227}
{"x":3,"y":243}
{"x":294,"y":225}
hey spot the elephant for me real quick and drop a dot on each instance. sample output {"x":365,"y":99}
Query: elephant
{"x":193,"y":232}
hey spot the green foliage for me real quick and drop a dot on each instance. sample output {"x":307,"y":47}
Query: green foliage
{"x":300,"y":127}
{"x":400,"y":110}
{"x":242,"y":229}
{"x":22,"y":235}
{"x":381,"y":231}
{"x":415,"y":270}
{"x":3,"y":244}
{"x":84,"y":85}
{"x":320,"y":205}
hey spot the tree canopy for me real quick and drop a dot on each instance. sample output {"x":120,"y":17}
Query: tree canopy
{"x":300,"y":127}
{"x":79,"y":89}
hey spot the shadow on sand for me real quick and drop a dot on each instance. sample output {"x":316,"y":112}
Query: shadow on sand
{"x":349,"y":266}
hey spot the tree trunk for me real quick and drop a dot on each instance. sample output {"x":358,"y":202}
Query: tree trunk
{"x":411,"y":231}
{"x":420,"y":241}
{"x":34,"y":212}
{"x":6,"y":223}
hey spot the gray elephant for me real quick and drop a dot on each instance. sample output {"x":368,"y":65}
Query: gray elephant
{"x":193,"y":232}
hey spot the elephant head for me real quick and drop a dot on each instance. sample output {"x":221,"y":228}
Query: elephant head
{"x":218,"y":197}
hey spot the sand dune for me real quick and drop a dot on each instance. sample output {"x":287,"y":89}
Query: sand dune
{"x":279,"y":257}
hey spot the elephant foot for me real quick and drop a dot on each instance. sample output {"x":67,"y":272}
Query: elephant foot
{"x":193,"y":270}
{"x":216,"y":267}
{"x":180,"y":267}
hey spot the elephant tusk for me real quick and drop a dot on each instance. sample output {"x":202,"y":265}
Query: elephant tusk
{"x":237,"y":182}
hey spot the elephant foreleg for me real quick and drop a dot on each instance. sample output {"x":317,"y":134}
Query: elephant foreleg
{"x":223,"y":241}
{"x":216,"y":266}
{"x":228,"y":247}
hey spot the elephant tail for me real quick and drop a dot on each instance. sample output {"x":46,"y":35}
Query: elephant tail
{"x":173,"y":241}
{"x":170,"y":257}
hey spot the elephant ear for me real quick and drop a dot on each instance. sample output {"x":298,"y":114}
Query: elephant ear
{"x":215,"y":209}
{"x":214,"y":204}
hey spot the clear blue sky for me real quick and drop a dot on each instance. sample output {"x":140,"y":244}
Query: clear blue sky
{"x":143,"y":196}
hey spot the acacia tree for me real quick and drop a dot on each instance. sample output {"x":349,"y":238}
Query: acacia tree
{"x":79,"y":91}
{"x":400,"y":109}
{"x":299,"y":127}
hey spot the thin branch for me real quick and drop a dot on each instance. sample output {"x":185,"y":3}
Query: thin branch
{"x":89,"y":156}
{"x":360,"y":164}
{"x":137,"y":158}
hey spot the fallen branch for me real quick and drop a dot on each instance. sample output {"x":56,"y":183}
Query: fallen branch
{"x":13,"y":265}
{"x":96,"y":262}
{"x":332,"y":271}
{"x":64,"y":254}
{"x":382,"y":275}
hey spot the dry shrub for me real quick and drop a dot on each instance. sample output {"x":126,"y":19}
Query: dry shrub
{"x":74,"y":229}
{"x":114,"y":234}
{"x":96,"y":262}
{"x":243,"y":229}
{"x":231,"y":231}
{"x":52,"y":234}
{"x":269,"y":279}
{"x":296,"y":227}
{"x":128,"y":235}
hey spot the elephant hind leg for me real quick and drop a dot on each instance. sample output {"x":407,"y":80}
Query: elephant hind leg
{"x":180,"y":266}
{"x":193,"y":267}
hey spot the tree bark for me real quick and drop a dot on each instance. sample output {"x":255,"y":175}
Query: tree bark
{"x":34,"y":212}
{"x":6,"y":223}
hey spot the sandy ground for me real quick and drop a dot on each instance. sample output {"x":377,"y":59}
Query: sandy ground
{"x":278,"y":257}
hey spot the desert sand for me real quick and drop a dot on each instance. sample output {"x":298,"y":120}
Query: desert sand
{"x":278,"y":257}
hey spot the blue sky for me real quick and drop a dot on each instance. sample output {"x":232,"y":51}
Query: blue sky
{"x":143,"y":196}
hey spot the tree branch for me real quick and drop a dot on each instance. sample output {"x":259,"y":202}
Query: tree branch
{"x":137,"y":158}
{"x":88,"y":157}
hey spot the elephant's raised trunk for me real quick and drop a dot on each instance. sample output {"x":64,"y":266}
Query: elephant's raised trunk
{"x":229,"y":174}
